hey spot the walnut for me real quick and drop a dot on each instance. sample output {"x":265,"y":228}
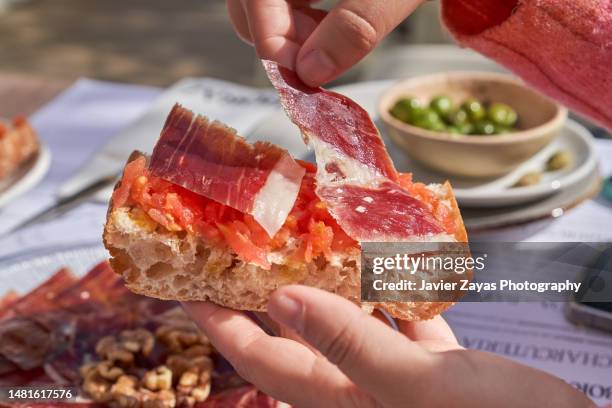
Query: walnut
{"x":98,"y":378}
{"x":194,"y":385}
{"x":188,"y":379}
{"x":96,"y":387}
{"x":201,"y":392}
{"x":158,"y":379}
{"x":202,"y":363}
{"x":205,"y":376}
{"x":179,"y":364}
{"x":108,"y":371}
{"x":108,"y":348}
{"x":161,"y":399}
{"x":104,"y":344}
{"x":137,"y":341}
{"x":178,"y":338}
{"x":192,"y":388}
{"x":124,"y":392}
{"x":87,"y":367}
{"x":185,"y":400}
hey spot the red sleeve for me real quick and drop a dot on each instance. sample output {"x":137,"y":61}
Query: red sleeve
{"x":562,"y":47}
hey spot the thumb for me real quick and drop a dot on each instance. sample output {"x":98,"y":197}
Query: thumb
{"x":347,"y":34}
{"x":365,"y":349}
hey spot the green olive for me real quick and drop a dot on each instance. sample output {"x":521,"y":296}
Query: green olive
{"x":399,"y":113}
{"x":474,"y":109}
{"x":529,"y":179}
{"x":502,"y":114}
{"x":458,"y":117}
{"x":559,"y":160}
{"x":484,"y":127}
{"x":436,"y":126}
{"x":418,"y":113}
{"x":431,"y":115}
{"x":429,"y":119}
{"x":454,"y":130}
{"x":402,"y":109}
{"x":442,"y":105}
{"x":465,"y":128}
{"x":502,"y":129}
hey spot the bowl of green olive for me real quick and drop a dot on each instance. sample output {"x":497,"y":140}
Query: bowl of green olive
{"x":469,"y":124}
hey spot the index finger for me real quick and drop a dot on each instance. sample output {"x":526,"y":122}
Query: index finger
{"x":278,"y":28}
{"x":347,"y":34}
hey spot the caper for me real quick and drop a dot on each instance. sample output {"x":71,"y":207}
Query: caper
{"x":474,"y":109}
{"x":559,"y":160}
{"x":484,"y":127}
{"x":529,"y":179}
{"x":442,"y":105}
{"x":502,"y":114}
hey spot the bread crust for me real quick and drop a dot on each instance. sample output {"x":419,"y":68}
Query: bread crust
{"x":180,"y":266}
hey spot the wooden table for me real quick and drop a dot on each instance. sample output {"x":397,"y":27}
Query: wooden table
{"x":22,"y":95}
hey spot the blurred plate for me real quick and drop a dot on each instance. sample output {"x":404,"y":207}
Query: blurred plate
{"x":23,"y":272}
{"x":25,"y":176}
{"x":574,"y":138}
{"x":554,"y":206}
{"x":558,"y":192}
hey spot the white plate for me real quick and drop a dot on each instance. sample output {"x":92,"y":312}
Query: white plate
{"x":26,"y":176}
{"x":469,"y":193}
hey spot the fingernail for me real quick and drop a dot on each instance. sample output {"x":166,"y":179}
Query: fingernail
{"x":288,"y":312}
{"x":315,"y":68}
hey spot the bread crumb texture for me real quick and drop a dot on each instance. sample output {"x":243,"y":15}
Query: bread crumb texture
{"x":181,"y":266}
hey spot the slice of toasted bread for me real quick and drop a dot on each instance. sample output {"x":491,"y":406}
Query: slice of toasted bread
{"x":181,"y":266}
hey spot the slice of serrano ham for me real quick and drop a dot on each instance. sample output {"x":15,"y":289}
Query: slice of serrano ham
{"x":210,"y":159}
{"x":356,"y":178}
{"x":42,"y":298}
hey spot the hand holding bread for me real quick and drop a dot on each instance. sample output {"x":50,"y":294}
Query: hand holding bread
{"x":346,"y":358}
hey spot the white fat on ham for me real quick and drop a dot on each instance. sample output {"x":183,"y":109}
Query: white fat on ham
{"x":352,"y":171}
{"x":275,"y":200}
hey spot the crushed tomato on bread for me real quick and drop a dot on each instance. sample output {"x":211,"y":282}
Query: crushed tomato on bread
{"x":175,"y":209}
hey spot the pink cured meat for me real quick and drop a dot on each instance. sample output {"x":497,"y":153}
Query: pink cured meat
{"x":384,"y":213}
{"x":356,"y":178}
{"x":211,"y":160}
{"x":41,"y":298}
{"x":332,"y":118}
{"x":243,"y":397}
